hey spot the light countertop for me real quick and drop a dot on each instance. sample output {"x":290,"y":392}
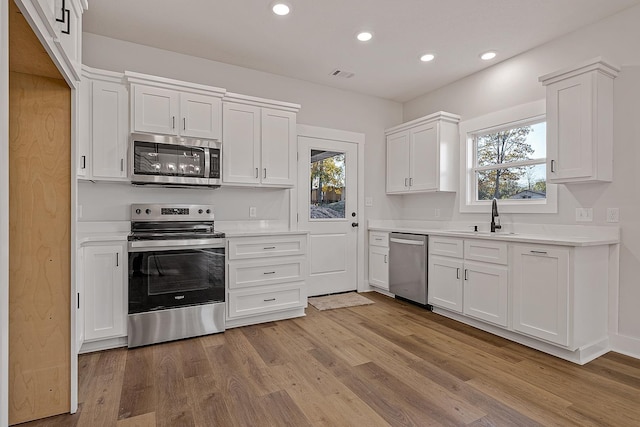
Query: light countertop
{"x":561,"y":235}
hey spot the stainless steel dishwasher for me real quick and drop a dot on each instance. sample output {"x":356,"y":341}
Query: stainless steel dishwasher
{"x":408,"y":266}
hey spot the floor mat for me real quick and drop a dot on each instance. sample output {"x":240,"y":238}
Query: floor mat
{"x":329,"y":302}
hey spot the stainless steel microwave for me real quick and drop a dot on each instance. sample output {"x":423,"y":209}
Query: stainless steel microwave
{"x":175,"y":161}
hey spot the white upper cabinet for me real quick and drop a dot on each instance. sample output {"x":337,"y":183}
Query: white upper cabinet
{"x":242,"y":131}
{"x":103,"y":126}
{"x":155,"y":110}
{"x":580,"y":123}
{"x":259,"y":142}
{"x":200,"y":116}
{"x":422,"y":155}
{"x":171,"y":107}
{"x":58,"y":24}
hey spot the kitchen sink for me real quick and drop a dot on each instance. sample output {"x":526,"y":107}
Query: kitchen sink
{"x":481,"y":233}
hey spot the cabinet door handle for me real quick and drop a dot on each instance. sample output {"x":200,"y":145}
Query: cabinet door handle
{"x":117,"y":259}
{"x":385,"y":259}
{"x":256,"y":172}
{"x":405,"y":182}
{"x":121,"y":165}
{"x":265,"y":173}
{"x":84,"y":162}
{"x":457,"y":273}
{"x":173,"y":122}
{"x":465,"y":274}
{"x":553,"y":166}
{"x":539,"y":252}
{"x":68,"y":19}
{"x":410,"y":182}
{"x":184,"y":123}
{"x":269,"y":299}
{"x":62,"y":9}
{"x":269,"y":272}
{"x":270,"y":247}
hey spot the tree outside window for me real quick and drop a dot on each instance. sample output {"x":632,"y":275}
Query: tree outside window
{"x":510,"y":162}
{"x":327,"y":184}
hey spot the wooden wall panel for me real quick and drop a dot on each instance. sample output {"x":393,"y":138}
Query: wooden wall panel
{"x":26,"y":53}
{"x":39,"y":247}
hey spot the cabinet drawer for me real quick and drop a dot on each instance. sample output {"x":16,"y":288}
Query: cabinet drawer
{"x":379,"y":238}
{"x":261,"y":247}
{"x":486,"y":251}
{"x":244,"y":274}
{"x":446,"y":246}
{"x":266,"y":299}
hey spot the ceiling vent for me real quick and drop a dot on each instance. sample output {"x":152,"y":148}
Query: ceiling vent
{"x":342,"y":73}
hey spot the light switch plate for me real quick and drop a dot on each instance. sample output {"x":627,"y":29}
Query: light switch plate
{"x":368,"y":201}
{"x":613,"y":215}
{"x":584,"y":214}
{"x":252,"y":212}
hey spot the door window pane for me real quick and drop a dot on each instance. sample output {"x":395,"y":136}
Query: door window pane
{"x":327,"y":184}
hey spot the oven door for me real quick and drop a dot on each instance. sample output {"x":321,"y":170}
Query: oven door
{"x":169,"y":274}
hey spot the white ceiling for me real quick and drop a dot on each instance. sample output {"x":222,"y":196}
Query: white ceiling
{"x":319,"y":35}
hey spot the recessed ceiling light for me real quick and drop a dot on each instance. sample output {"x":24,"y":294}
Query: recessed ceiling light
{"x":488,"y":56}
{"x":281,"y":9}
{"x":364,"y":36}
{"x":427,"y":57}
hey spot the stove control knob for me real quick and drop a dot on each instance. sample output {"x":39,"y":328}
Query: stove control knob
{"x":208,"y":211}
{"x":148,"y":211}
{"x":138,"y":211}
{"x":199,"y":211}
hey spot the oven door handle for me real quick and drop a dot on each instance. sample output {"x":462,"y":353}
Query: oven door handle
{"x":164,"y":245}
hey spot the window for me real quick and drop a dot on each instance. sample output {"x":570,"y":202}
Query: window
{"x":509,"y":163}
{"x":327,"y":185}
{"x":505,"y":156}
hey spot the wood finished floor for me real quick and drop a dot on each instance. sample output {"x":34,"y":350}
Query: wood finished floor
{"x":389,"y":363}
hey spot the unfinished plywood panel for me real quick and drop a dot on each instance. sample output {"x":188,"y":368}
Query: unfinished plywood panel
{"x":26,"y":53}
{"x":39,"y":229}
{"x":39,"y":247}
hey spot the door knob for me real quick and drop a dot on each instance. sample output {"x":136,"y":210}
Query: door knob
{"x":354,"y":224}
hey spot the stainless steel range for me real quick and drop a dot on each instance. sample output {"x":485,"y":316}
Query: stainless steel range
{"x":176,"y":273}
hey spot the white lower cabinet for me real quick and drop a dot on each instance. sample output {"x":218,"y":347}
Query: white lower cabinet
{"x":549,"y":297}
{"x":469,"y":277}
{"x":104,"y":303}
{"x":560,"y":295}
{"x":445,"y":282}
{"x":266,"y":278}
{"x":379,"y":260}
{"x":486,"y":292}
{"x":541,"y":292}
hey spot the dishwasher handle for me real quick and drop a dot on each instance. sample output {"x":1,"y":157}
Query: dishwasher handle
{"x":407,"y":242}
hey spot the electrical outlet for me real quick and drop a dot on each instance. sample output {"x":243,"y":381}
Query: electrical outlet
{"x":584,"y":214}
{"x":613,"y":215}
{"x":368,"y":201}
{"x":252,"y":212}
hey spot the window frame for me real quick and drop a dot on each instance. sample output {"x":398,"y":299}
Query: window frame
{"x":522,"y":114}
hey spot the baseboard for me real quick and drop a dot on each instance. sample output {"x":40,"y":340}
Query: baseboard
{"x":628,"y":346}
{"x":91,"y":346}
{"x":579,"y":356}
{"x":373,"y":288}
{"x":264,"y":318}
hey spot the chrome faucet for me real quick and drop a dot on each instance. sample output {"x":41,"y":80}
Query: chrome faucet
{"x":494,"y":215}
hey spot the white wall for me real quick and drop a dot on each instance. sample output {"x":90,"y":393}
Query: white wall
{"x":321,"y":106}
{"x":514,"y":82}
